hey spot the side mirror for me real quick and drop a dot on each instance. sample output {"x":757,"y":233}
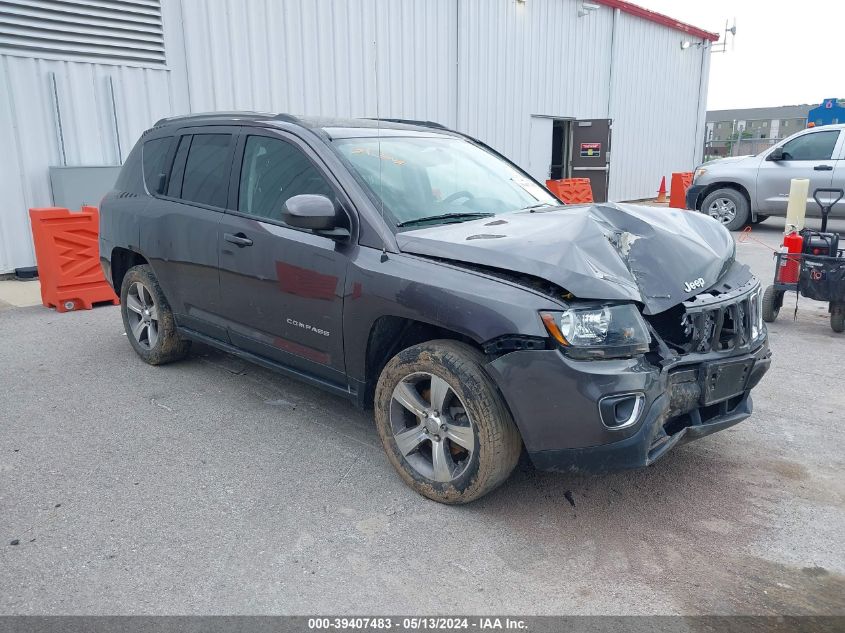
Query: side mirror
{"x":776,"y":155}
{"x":315,"y":213}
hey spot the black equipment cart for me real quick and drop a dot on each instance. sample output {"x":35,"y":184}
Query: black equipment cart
{"x":820,"y":266}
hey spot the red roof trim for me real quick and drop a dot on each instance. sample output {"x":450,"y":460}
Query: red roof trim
{"x":654,"y":16}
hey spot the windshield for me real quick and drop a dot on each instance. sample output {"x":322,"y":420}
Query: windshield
{"x":418,"y":178}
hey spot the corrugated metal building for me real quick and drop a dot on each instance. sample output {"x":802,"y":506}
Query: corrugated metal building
{"x":81,"y":79}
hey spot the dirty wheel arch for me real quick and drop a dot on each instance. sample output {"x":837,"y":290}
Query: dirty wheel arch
{"x":148,"y":320}
{"x":441,"y":384}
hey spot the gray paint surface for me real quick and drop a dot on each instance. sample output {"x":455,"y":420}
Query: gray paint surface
{"x":212,"y":486}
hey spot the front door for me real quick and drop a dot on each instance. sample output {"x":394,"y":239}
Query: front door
{"x":807,"y":156}
{"x":591,"y":154}
{"x":281,"y":288}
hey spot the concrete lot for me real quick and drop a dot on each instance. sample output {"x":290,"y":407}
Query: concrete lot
{"x":213,"y":486}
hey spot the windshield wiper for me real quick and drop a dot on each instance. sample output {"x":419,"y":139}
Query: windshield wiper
{"x":446,"y":216}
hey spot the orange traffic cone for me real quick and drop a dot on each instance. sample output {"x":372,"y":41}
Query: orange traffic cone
{"x":661,"y":193}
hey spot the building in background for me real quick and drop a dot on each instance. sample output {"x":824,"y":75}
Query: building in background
{"x":752,"y":130}
{"x":549,"y":83}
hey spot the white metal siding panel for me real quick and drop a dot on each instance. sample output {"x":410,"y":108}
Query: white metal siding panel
{"x":29,"y":133}
{"x":319,"y":57}
{"x":655,"y":107}
{"x":483,"y":66}
{"x":537,"y":58}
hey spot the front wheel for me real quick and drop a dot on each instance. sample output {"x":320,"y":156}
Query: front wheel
{"x":148,"y":319}
{"x":443,"y":424}
{"x":728,"y":206}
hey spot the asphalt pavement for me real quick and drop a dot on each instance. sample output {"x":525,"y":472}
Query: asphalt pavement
{"x":213,"y":486}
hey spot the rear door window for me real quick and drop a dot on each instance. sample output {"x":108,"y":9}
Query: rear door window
{"x":155,"y":156}
{"x":813,"y":146}
{"x":206,"y":177}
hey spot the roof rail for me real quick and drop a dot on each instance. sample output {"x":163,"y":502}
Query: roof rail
{"x":219,"y":115}
{"x":414,"y":122}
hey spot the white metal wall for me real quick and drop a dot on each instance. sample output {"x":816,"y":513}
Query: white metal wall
{"x":522,"y":59}
{"x":482,"y":66}
{"x":657,"y":106}
{"x":319,"y":57}
{"x":31,"y":108}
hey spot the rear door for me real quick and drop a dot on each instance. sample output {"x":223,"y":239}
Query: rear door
{"x":591,"y":154}
{"x":281,"y":287}
{"x":808,"y":156}
{"x":181,"y":238}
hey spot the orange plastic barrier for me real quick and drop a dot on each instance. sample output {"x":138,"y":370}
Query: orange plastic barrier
{"x":571,"y":190}
{"x":68,"y":258}
{"x":681,"y":181}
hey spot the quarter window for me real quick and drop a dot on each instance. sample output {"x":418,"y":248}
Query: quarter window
{"x":155,"y":167}
{"x":273,"y":171}
{"x":815,"y":146}
{"x":207,"y":169}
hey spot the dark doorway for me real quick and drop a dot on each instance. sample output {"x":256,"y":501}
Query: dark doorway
{"x":561,"y":149}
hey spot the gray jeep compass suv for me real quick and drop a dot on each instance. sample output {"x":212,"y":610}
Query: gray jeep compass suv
{"x":414,"y":270}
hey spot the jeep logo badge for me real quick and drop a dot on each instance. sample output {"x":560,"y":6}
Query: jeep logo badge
{"x":692,"y":285}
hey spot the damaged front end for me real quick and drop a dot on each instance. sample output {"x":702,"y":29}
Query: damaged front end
{"x":705,"y":356}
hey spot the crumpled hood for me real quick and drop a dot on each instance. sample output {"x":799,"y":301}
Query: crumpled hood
{"x":654,"y":255}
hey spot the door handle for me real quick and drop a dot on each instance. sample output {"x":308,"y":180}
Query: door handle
{"x":239,"y":239}
{"x":823,"y":168}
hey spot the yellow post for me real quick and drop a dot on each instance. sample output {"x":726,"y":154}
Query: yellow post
{"x":796,"y":209}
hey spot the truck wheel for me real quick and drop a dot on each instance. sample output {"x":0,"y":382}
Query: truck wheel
{"x":728,"y":206}
{"x":148,"y":319}
{"x":772,"y":303}
{"x":444,"y":425}
{"x":837,"y":318}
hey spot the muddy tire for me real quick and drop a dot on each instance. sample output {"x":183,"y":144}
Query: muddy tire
{"x":728,"y":206}
{"x":837,"y":318}
{"x":148,"y":319}
{"x":772,"y":303}
{"x":443,"y":423}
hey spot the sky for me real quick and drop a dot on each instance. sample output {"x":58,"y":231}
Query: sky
{"x":785,"y":52}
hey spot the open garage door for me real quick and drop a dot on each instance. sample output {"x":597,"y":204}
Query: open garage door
{"x":591,"y":154}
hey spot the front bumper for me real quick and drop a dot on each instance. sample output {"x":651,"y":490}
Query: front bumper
{"x":555,"y":403}
{"x":693,"y":193}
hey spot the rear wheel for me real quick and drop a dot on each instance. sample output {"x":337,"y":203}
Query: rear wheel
{"x":728,"y":206}
{"x":444,"y":425}
{"x":837,"y":318}
{"x":772,"y":303}
{"x":148,"y":319}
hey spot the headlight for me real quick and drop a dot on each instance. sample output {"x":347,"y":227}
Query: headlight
{"x":698,"y":173}
{"x":613,"y":331}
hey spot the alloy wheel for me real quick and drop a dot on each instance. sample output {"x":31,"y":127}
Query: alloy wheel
{"x":142,"y":311}
{"x":723,"y":210}
{"x":431,"y":427}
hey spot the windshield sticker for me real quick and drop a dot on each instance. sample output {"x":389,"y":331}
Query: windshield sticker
{"x":369,"y":152}
{"x":530,"y":187}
